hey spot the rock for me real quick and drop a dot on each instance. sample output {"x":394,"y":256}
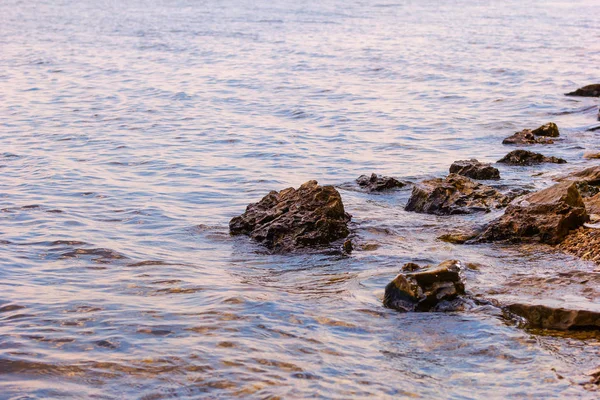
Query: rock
{"x":475,"y":170}
{"x":586,"y":91}
{"x":426,"y":289}
{"x":376,"y":183}
{"x":589,"y":175}
{"x":454,"y":195}
{"x":591,"y":156}
{"x":592,"y":204}
{"x":311,"y":215}
{"x":524,"y":157}
{"x":525,"y":137}
{"x":548,"y":130}
{"x":583,"y":243}
{"x":459,"y":236}
{"x":546,"y":216}
{"x":557,"y":318}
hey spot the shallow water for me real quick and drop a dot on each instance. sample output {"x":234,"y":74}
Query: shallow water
{"x":131,"y":132}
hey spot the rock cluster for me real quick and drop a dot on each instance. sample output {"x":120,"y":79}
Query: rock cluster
{"x":455,"y":194}
{"x":475,"y":170}
{"x":587,"y":91}
{"x":546,"y":216}
{"x":524,"y":157}
{"x":426,"y":289}
{"x":536,"y":136}
{"x":376,"y":183}
{"x":291,"y":219}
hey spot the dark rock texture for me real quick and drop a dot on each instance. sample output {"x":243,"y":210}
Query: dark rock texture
{"x":475,"y":170}
{"x":586,"y":91}
{"x":311,"y":215}
{"x":583,"y":243}
{"x":526,"y":137}
{"x":376,"y":183}
{"x":524,"y":157}
{"x":426,"y":289}
{"x":548,"y":130}
{"x":546,"y":216}
{"x":454,"y":195}
{"x":557,"y":318}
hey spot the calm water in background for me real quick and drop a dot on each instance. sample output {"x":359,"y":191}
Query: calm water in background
{"x":132,"y":131}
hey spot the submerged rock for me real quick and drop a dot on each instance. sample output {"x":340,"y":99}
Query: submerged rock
{"x":311,"y":215}
{"x":455,"y":194}
{"x":475,"y":170}
{"x":549,"y":130}
{"x":524,"y":157}
{"x":583,"y":243}
{"x":526,"y":137}
{"x":586,"y":91}
{"x":557,"y":318}
{"x":376,"y":183}
{"x":426,"y":289}
{"x":546,"y":216}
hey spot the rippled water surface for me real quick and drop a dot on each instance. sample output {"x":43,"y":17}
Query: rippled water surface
{"x":132,"y":131}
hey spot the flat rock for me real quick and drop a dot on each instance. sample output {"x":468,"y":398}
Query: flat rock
{"x":455,"y":194}
{"x":546,"y":216}
{"x":586,"y":91}
{"x":426,"y":289}
{"x":583,"y":243}
{"x":548,"y":130}
{"x":526,"y":137}
{"x":556,"y":318}
{"x":291,"y":219}
{"x":591,"y":156}
{"x":475,"y":170}
{"x":375,"y":183}
{"x":524,"y":157}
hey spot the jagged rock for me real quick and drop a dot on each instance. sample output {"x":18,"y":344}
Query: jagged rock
{"x":475,"y":170}
{"x":557,"y":318}
{"x":426,"y":289}
{"x":583,"y":243}
{"x":549,"y":130}
{"x":376,"y":183}
{"x":526,"y":137}
{"x":311,"y":215}
{"x":524,"y":157}
{"x":546,"y":216}
{"x":586,"y":91}
{"x":454,"y":195}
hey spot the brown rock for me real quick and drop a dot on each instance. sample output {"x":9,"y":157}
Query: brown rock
{"x":526,"y":137}
{"x":311,"y":215}
{"x":583,"y":243}
{"x":376,"y":183}
{"x":549,"y":130}
{"x":475,"y":170}
{"x":426,"y":289}
{"x":589,"y":175}
{"x":546,"y":216}
{"x":524,"y":157}
{"x":454,"y":195}
{"x":592,"y":156}
{"x":557,"y":318}
{"x":586,"y":91}
{"x":592,"y":204}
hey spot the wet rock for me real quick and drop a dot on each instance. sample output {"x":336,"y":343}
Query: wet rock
{"x":524,"y":157}
{"x":526,"y":137}
{"x":376,"y":183}
{"x":591,"y":156}
{"x":557,"y":318}
{"x":583,"y":243}
{"x":455,"y":194}
{"x":549,"y":130}
{"x":586,"y":91}
{"x":311,"y":215}
{"x":589,"y":175}
{"x":546,"y":216}
{"x":458,"y":237}
{"x":475,"y":170}
{"x":426,"y":289}
{"x":592,"y":204}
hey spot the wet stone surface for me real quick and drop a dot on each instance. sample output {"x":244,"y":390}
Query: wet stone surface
{"x":526,"y":158}
{"x":475,"y":170}
{"x":378,"y":183}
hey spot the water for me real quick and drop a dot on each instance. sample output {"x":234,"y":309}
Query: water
{"x":132,"y":131}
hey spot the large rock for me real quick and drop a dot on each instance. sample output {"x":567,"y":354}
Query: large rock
{"x":311,"y":215}
{"x":526,"y":137}
{"x":556,"y":318}
{"x":524,"y":157}
{"x":475,"y":170}
{"x":583,"y":243}
{"x":546,"y":216}
{"x":426,"y":289}
{"x":454,"y":195}
{"x":586,"y":91}
{"x":376,"y":183}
